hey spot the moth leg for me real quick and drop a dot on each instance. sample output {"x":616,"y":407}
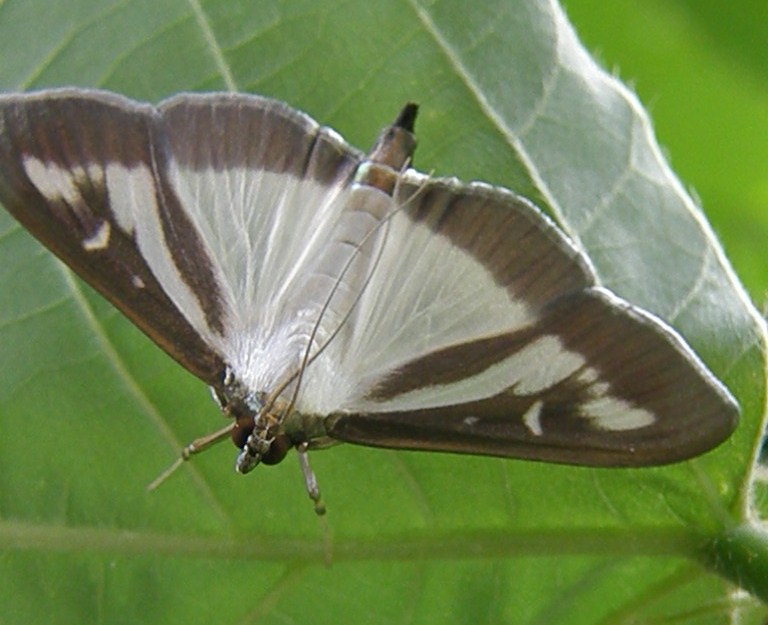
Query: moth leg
{"x":195,"y":447}
{"x":310,"y":481}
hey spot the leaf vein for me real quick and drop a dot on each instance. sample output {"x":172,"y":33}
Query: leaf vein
{"x":210,"y":38}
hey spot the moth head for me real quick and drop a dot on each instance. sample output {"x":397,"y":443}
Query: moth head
{"x":254,"y":431}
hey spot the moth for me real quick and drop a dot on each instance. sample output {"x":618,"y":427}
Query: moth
{"x":329,"y":296}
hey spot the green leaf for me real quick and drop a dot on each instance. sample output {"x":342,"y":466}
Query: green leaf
{"x":91,"y":411}
{"x":703,"y":66}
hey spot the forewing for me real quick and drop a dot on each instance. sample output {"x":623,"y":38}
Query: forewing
{"x":191,"y":217}
{"x":73,"y":166}
{"x":539,"y":364}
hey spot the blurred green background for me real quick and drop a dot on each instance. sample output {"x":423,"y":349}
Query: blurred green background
{"x":701,"y":68}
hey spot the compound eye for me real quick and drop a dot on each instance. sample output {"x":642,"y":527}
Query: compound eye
{"x":243,"y":428}
{"x":279,"y":448}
